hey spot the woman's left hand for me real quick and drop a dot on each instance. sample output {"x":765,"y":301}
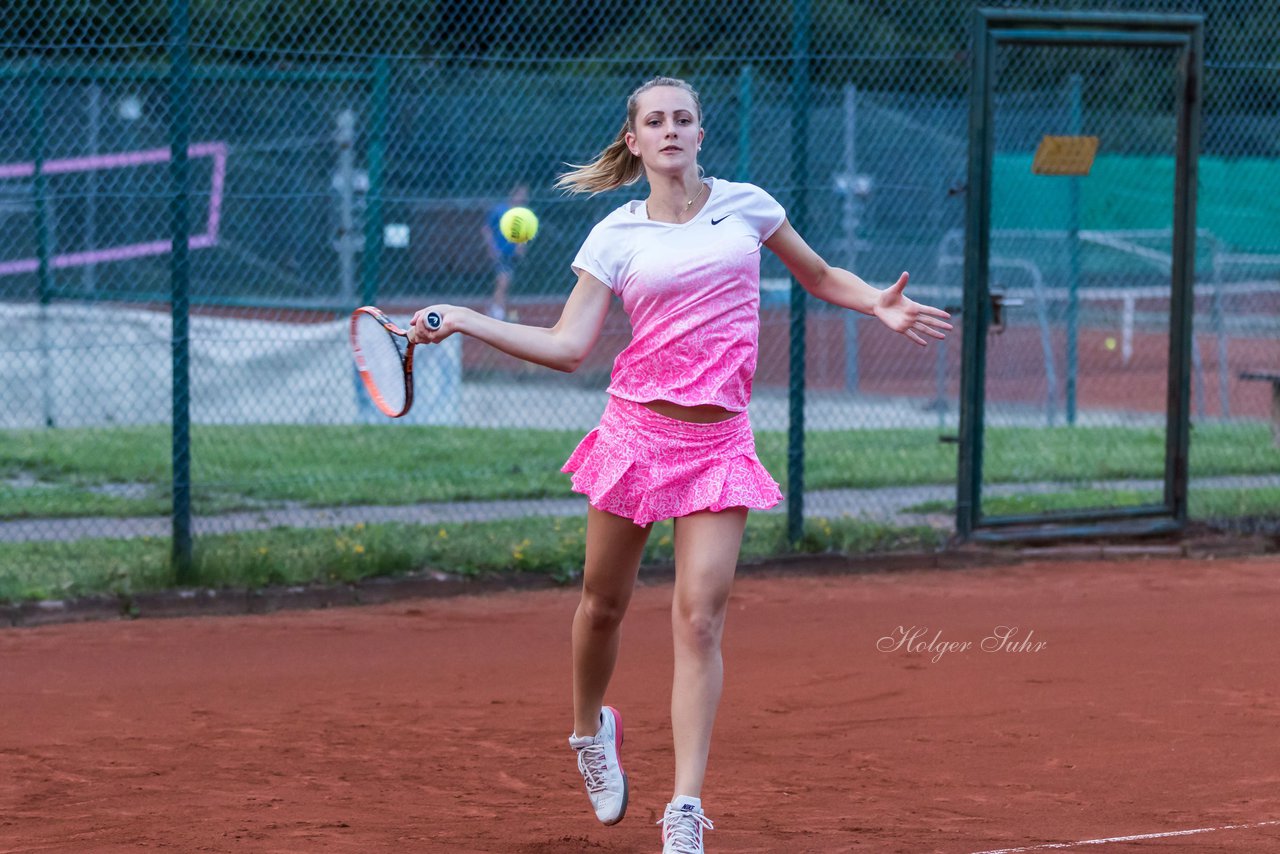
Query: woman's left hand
{"x":903,"y":314}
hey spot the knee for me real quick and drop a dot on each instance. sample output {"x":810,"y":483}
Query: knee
{"x":601,"y":612}
{"x":698,"y":627}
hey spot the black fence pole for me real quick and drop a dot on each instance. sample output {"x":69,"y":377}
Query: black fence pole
{"x":799,"y":216}
{"x":180,"y":280}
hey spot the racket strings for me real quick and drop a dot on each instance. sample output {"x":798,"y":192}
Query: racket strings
{"x":383,"y":354}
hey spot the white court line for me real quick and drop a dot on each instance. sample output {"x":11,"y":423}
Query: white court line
{"x":1059,"y":845}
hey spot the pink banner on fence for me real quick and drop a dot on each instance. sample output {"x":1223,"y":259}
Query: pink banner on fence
{"x":217,"y":151}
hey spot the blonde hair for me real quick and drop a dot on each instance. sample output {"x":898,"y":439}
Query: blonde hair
{"x":616,"y":166}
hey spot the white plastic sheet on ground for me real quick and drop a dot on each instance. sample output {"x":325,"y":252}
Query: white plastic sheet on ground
{"x":85,"y":365}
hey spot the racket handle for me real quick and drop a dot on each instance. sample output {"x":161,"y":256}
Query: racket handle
{"x":434,"y":320}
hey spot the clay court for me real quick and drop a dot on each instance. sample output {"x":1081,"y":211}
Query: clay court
{"x":1136,"y":700}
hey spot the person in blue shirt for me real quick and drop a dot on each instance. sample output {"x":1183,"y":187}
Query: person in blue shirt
{"x":502,"y":252}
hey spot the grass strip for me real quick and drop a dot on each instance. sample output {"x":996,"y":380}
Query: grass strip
{"x":286,"y":556}
{"x":124,"y":471}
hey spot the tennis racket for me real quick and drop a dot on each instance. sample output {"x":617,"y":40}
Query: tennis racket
{"x":384,"y":358}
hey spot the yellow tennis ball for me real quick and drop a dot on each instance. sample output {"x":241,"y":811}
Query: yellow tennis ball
{"x":1110,"y":343}
{"x":519,"y":225}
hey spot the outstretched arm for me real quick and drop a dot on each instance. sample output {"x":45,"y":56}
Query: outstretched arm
{"x":840,"y":287}
{"x":562,"y":347}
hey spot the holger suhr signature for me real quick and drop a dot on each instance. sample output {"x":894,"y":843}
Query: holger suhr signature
{"x":1008,"y":639}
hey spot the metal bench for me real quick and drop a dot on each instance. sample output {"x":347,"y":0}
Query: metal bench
{"x":1272,"y":377}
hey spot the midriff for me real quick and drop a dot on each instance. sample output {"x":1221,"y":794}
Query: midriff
{"x":707,"y":413}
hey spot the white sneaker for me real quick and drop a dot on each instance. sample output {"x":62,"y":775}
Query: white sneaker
{"x":600,"y":761}
{"x":682,"y":826}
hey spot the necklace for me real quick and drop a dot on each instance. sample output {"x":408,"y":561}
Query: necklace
{"x":696,"y":196}
{"x":678,"y":214}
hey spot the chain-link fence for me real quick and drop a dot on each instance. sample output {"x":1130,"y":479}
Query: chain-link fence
{"x":343,"y":153}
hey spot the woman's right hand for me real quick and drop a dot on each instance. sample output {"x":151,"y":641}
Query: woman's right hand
{"x":421,"y":333}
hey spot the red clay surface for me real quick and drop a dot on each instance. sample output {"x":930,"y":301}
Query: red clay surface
{"x":1153,"y":706}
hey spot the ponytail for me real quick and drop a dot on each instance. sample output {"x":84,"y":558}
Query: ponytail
{"x":614,"y":167}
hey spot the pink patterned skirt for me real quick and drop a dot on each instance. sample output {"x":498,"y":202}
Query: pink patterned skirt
{"x":648,"y":467}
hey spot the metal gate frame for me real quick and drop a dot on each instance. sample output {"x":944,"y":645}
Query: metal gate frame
{"x":991,"y":29}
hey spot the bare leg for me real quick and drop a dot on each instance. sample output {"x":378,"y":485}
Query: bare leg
{"x":614,"y":548}
{"x":706,"y":550}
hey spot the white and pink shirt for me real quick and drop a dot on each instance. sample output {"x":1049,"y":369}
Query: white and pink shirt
{"x":692,"y":292}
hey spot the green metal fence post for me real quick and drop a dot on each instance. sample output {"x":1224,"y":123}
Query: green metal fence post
{"x":180,"y":279}
{"x":378,"y":109}
{"x":1182,"y":299}
{"x":799,"y":218}
{"x":976,"y":267}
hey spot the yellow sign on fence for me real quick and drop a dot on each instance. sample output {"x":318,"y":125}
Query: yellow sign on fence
{"x":1065,"y":155}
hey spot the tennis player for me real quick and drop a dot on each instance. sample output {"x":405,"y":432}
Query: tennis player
{"x":674,"y":441}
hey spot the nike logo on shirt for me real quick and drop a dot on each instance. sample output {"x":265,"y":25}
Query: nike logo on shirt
{"x":721,"y":219}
